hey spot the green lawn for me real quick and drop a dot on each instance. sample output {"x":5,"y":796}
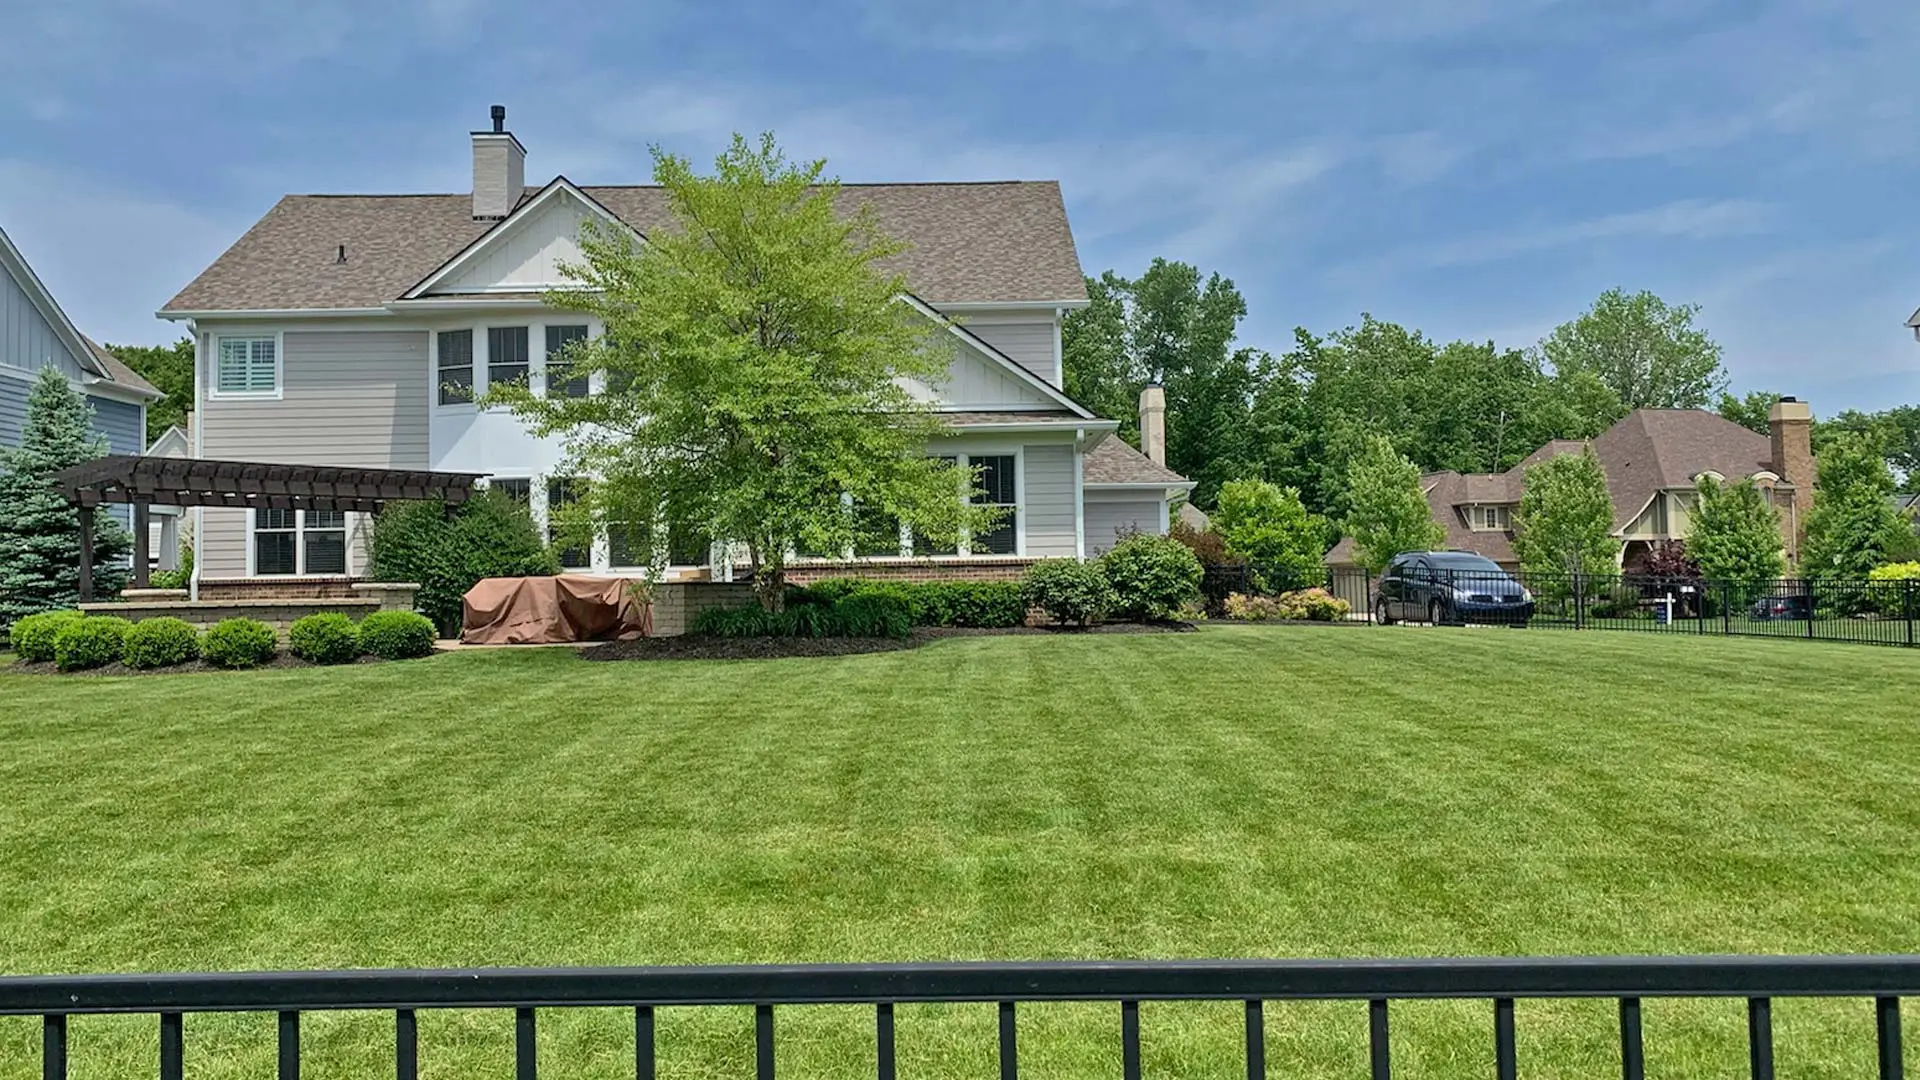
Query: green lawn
{"x":1243,"y":791}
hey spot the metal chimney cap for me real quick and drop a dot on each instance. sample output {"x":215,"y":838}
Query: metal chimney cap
{"x":499,"y":113}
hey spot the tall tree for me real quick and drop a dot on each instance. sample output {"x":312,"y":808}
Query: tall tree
{"x":170,"y":369}
{"x":1895,"y":431}
{"x":754,"y":359}
{"x":1646,"y":351}
{"x":1386,"y":511}
{"x":1750,"y":412}
{"x":1565,"y":520}
{"x":1098,"y":366}
{"x":39,"y":531}
{"x":1734,"y":533}
{"x":1853,"y":526}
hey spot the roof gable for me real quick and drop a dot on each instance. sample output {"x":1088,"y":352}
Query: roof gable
{"x":1013,"y":384}
{"x":82,"y":355}
{"x":524,"y":251}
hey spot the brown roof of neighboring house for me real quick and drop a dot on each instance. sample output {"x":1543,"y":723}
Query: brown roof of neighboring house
{"x":1446,"y":493}
{"x":119,"y":373}
{"x":1112,"y":461}
{"x":971,"y":243}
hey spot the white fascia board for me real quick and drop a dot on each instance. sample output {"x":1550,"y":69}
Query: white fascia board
{"x":274,"y":313}
{"x":1043,"y":425}
{"x":1183,"y":485}
{"x":107,"y":388}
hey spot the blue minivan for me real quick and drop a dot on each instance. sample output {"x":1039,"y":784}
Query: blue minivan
{"x":1456,"y":587}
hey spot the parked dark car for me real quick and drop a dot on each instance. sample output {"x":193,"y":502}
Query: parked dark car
{"x":1783,"y":605}
{"x":1450,"y":587}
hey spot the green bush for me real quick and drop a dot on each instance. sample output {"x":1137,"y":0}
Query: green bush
{"x":1313,"y":605}
{"x":326,"y":637}
{"x":488,"y":536}
{"x":91,"y":642}
{"x":1070,"y":591}
{"x":397,"y":635}
{"x":163,"y":642}
{"x":932,"y":603}
{"x":175,"y":579}
{"x":32,"y":636}
{"x":1890,"y":595}
{"x":1153,"y":577}
{"x":238,"y":643}
{"x":873,"y":612}
{"x":1252,"y":608}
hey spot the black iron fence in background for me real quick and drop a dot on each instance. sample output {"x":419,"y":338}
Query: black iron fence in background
{"x":1881,"y":980}
{"x":1819,"y":609}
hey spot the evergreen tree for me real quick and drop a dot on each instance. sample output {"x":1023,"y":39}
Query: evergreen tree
{"x":1565,"y":521}
{"x":1386,"y":511}
{"x":1735,"y":534}
{"x":1853,"y":526}
{"x":39,"y":531}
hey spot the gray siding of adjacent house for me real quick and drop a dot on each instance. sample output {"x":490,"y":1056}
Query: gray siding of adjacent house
{"x":13,"y":409}
{"x":124,"y":424}
{"x":1049,"y":501}
{"x":1108,"y":521}
{"x":27,"y":340}
{"x":1029,"y":344}
{"x":348,"y":398}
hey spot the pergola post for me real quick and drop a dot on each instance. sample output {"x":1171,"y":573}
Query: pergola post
{"x":142,"y":544}
{"x":86,"y":554}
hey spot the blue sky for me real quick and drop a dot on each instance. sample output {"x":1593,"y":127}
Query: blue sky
{"x":1475,"y":168}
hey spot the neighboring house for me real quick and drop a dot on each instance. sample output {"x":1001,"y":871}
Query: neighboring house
{"x":1653,"y":459}
{"x":35,"y":334}
{"x":356,"y":329}
{"x":164,"y":525}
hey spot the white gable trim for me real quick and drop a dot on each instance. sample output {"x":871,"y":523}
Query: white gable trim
{"x":468,"y":255}
{"x":63,"y":328}
{"x":1021,"y":374}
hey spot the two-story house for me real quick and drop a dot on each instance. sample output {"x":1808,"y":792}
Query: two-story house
{"x":359,"y":329}
{"x":1653,"y":459}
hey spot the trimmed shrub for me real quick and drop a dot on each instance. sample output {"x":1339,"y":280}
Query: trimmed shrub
{"x":238,"y":643}
{"x":397,"y":635}
{"x":874,"y":613}
{"x":1153,"y":577}
{"x":324,"y":638}
{"x":32,"y":636}
{"x":1890,"y":596}
{"x":91,"y":642}
{"x":158,"y":643}
{"x":175,"y":579}
{"x":1252,"y":608}
{"x":488,"y":536}
{"x":1313,"y":605}
{"x":1070,"y":591}
{"x":990,"y":604}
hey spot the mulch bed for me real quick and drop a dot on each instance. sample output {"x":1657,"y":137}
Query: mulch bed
{"x":282,"y":660}
{"x":692,"y":647}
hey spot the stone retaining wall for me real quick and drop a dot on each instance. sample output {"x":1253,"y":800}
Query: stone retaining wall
{"x":676,"y":604}
{"x":361,"y":599}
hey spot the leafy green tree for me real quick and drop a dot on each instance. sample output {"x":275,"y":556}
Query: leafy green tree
{"x":1750,"y":412}
{"x":1853,"y":526}
{"x":39,"y":531}
{"x":1646,"y":351}
{"x":1895,"y":431}
{"x":1564,"y":524}
{"x":170,"y":369}
{"x":1267,"y":525}
{"x":1386,"y":511}
{"x":755,"y":361}
{"x":1734,"y":533}
{"x":1099,"y":370}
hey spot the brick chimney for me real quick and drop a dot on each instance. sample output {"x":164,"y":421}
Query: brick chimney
{"x":1790,"y":423}
{"x":1153,"y":423}
{"x":499,"y":169}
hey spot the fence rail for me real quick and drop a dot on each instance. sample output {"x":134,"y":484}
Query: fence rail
{"x":1882,"y":979}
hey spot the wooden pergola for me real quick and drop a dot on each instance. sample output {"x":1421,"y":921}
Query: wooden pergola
{"x":144,"y":482}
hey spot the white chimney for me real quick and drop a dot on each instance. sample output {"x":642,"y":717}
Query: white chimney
{"x":1153,"y":423}
{"x":499,"y":169}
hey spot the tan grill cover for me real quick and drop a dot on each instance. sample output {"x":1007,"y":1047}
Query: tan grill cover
{"x":550,"y":610}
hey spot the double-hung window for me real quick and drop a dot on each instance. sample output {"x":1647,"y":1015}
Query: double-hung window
{"x":563,"y":492}
{"x":244,"y":366}
{"x":561,"y":382}
{"x":997,"y":489}
{"x":288,"y":542}
{"x":455,"y":349}
{"x":506,"y":355}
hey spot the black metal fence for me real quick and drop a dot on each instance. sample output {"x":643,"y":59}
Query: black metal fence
{"x":1882,"y":979}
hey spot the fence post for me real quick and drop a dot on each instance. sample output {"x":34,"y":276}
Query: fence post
{"x":1906,"y":607}
{"x":1579,"y":601}
{"x":1726,"y":612}
{"x":1806,"y":586}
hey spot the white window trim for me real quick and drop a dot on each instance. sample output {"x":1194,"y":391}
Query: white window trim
{"x":433,"y":369}
{"x":1019,"y":505}
{"x":279,"y":369}
{"x":300,"y":546}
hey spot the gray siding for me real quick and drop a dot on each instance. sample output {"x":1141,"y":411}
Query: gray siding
{"x":1108,"y":521}
{"x":348,"y":398}
{"x":13,"y":409}
{"x":124,"y":425}
{"x":27,"y":340}
{"x":1049,"y":501}
{"x":1029,"y":344}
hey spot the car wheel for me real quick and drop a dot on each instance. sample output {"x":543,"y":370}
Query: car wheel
{"x":1434,"y":612}
{"x":1380,"y":615}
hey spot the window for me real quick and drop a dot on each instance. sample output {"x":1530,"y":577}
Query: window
{"x":247,"y":365}
{"x":559,"y":382}
{"x":286,"y":542}
{"x":996,"y":489}
{"x":456,"y":366}
{"x":561,"y":492}
{"x":1492,"y":518}
{"x":518,"y":489}
{"x":506,"y":354}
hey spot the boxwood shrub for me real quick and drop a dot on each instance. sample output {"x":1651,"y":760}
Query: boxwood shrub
{"x":932,"y":603}
{"x":163,"y":642}
{"x":880,"y":611}
{"x":326,"y":637}
{"x":91,"y":642}
{"x":397,"y":635}
{"x":238,"y":643}
{"x":1069,"y":591}
{"x":32,"y":637}
{"x":1153,"y":577}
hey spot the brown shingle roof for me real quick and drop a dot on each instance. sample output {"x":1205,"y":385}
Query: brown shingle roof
{"x":976,"y":419}
{"x":1112,"y":461}
{"x":971,"y":243}
{"x":118,"y":372}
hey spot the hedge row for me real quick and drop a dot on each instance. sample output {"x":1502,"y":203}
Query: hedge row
{"x":76,"y":642}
